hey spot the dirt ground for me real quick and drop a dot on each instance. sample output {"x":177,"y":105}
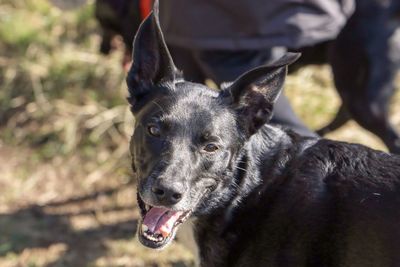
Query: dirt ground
{"x":59,"y":218}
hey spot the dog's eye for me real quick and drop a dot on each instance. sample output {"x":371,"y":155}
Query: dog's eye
{"x":211,"y":148}
{"x":154,"y":130}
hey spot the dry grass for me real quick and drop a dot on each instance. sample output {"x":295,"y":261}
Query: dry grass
{"x":66,"y":192}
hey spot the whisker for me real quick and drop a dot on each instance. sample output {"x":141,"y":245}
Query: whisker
{"x":241,"y":169}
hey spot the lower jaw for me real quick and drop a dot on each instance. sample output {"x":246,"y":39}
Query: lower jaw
{"x":153,"y":244}
{"x":167,"y":240}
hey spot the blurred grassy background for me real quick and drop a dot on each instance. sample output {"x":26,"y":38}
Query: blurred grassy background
{"x":67,"y":197}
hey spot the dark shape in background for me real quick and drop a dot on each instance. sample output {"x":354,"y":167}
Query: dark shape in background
{"x":364,"y":59}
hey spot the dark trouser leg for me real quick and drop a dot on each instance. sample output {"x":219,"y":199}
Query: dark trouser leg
{"x":185,"y":61}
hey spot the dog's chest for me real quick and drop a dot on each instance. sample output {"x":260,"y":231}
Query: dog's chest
{"x":214,"y":244}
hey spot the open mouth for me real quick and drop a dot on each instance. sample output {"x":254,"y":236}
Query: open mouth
{"x":159,"y":225}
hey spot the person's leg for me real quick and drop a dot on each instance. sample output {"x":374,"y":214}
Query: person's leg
{"x":185,"y":61}
{"x":226,"y":66}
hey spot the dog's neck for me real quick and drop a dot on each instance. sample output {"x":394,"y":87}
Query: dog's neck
{"x":264,"y":146}
{"x":275,"y":148}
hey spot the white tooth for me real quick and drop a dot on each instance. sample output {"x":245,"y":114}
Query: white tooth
{"x":144,"y":228}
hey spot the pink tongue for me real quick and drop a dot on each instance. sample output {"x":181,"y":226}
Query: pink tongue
{"x":161,"y":220}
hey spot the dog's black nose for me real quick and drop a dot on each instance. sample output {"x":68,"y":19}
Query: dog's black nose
{"x":167,"y":195}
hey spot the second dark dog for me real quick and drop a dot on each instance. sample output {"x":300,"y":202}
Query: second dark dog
{"x":261,"y":195}
{"x":364,"y":60}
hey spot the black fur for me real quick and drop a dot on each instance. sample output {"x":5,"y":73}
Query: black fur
{"x":261,"y":195}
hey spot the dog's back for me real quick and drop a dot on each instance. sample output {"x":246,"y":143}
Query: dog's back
{"x":322,"y":203}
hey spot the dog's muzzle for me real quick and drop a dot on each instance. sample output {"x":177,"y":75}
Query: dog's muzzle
{"x":159,"y":225}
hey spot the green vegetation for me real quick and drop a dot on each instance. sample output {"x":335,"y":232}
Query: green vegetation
{"x":57,"y":92}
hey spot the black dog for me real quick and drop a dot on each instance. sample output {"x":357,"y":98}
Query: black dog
{"x":364,"y":59}
{"x":261,"y":196}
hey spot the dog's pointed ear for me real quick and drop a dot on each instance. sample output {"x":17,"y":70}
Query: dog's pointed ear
{"x":254,"y":93}
{"x":151,"y":60}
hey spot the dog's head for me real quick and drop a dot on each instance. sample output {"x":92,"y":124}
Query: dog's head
{"x":187,"y":137}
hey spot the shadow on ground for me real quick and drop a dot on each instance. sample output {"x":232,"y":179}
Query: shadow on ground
{"x":67,"y":230}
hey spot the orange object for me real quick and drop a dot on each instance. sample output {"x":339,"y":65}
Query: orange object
{"x":145,"y":8}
